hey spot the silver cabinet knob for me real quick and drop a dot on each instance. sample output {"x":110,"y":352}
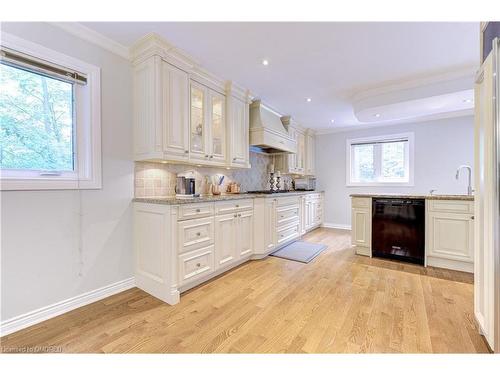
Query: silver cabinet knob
{"x":234,"y":159}
{"x":198,"y":264}
{"x":198,"y":234}
{"x":197,"y":210}
{"x":235,"y":215}
{"x":211,"y":156}
{"x":237,"y":205}
{"x":206,"y":156}
{"x":239,"y":215}
{"x":472,"y":217}
{"x":186,"y":151}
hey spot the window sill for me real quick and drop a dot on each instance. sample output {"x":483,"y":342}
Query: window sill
{"x":8,"y":184}
{"x":380,"y":184}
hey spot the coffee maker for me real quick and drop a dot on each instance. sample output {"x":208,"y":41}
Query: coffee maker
{"x":185,"y":185}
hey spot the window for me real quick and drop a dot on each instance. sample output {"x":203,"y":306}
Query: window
{"x":49,"y":119}
{"x":386,"y":160}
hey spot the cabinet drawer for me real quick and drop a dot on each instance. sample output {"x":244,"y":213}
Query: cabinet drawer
{"x":361,"y":202}
{"x":286,"y":215}
{"x":196,"y":233}
{"x":194,"y":211}
{"x":288,"y":233}
{"x":458,"y":206}
{"x":222,"y":208}
{"x":196,"y":264}
{"x":287,"y":201}
{"x":312,"y":197}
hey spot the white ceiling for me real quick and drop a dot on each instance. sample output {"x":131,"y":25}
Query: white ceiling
{"x":328,"y":62}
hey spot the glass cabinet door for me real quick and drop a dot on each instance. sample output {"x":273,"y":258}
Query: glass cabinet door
{"x":218,"y":125}
{"x":197,"y":120}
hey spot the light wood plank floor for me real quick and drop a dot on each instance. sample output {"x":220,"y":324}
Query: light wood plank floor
{"x":339,"y":303}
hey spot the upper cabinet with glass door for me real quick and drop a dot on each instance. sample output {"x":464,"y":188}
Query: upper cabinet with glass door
{"x":182,"y":113}
{"x":217,"y":127}
{"x":208,"y":125}
{"x":198,"y":123}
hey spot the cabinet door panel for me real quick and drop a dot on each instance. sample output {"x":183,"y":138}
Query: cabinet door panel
{"x":244,"y":239}
{"x":217,"y":127}
{"x":225,"y":238}
{"x":175,"y":112}
{"x":451,"y":236}
{"x":361,"y":227}
{"x":198,"y":131}
{"x":239,"y":132}
{"x":270,"y":219}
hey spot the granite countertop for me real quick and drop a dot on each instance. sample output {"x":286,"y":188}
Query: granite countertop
{"x":216,"y":198}
{"x":457,"y":197}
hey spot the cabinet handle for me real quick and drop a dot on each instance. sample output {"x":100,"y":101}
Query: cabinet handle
{"x":237,"y":205}
{"x":234,"y":159}
{"x":198,"y":264}
{"x":472,"y":217}
{"x":186,"y":151}
{"x":239,"y":215}
{"x":198,"y":234}
{"x":206,"y":156}
{"x":211,"y":156}
{"x":235,"y":215}
{"x":197,"y":210}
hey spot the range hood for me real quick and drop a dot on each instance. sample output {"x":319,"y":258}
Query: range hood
{"x":267,"y":132}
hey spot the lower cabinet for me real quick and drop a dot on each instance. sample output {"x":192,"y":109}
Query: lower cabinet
{"x":180,"y":246}
{"x":225,"y":237}
{"x":361,"y":225}
{"x":233,"y":237}
{"x":196,"y":264}
{"x":450,"y":234}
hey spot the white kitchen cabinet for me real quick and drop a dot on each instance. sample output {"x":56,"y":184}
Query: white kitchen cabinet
{"x":180,"y":246}
{"x":233,"y":237}
{"x":175,"y":113}
{"x":225,"y":239}
{"x":270,"y":224}
{"x":182,"y":113}
{"x":244,"y":234}
{"x":293,"y":163}
{"x":450,"y":234}
{"x":310,"y":154}
{"x":161,"y":111}
{"x":238,"y":132}
{"x":208,"y":125}
{"x":361,"y":223}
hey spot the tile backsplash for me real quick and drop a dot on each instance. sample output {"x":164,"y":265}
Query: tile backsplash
{"x":158,"y":180}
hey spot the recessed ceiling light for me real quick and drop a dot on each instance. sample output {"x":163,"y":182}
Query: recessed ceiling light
{"x":376,"y":115}
{"x":308,"y":100}
{"x":332,"y":121}
{"x":265,"y":62}
{"x":467,"y":100}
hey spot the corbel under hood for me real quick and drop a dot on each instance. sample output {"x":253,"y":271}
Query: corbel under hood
{"x":267,"y":132}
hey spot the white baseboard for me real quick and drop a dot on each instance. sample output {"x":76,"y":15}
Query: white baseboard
{"x":36,"y":316}
{"x":336,"y":226}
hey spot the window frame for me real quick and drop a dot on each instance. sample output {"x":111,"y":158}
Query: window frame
{"x":87,"y":172}
{"x":410,"y":157}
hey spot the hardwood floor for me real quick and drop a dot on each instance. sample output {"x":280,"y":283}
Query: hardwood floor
{"x":339,"y":303}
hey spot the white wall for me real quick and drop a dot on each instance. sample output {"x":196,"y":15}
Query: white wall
{"x":440,"y":147}
{"x":47,"y":253}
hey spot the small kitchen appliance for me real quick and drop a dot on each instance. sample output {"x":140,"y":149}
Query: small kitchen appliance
{"x":185,"y":185}
{"x":306,"y":183}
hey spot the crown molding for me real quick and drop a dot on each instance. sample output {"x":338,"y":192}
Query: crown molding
{"x":85,"y":33}
{"x":435,"y":117}
{"x":416,"y":82}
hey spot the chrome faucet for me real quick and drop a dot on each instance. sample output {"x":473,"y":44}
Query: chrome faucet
{"x":469,"y":170}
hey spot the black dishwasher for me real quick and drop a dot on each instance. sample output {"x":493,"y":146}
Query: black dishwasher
{"x":398,"y":229}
